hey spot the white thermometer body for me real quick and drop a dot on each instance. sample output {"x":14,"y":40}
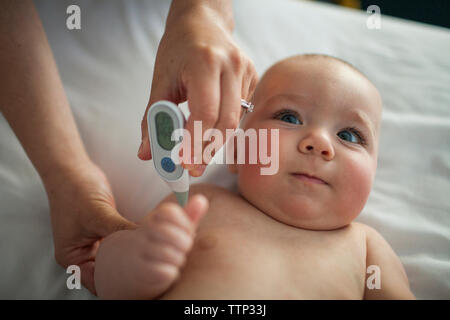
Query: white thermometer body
{"x":163,"y":118}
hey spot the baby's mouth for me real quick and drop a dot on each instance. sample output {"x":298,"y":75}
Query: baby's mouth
{"x":308,"y":178}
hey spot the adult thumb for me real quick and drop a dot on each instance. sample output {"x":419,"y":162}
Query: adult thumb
{"x":107,"y":220}
{"x":196,"y":208}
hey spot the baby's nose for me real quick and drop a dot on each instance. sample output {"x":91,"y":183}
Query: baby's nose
{"x":317,"y":144}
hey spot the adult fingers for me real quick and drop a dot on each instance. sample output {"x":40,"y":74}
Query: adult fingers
{"x":249,"y":82}
{"x":230,"y":104}
{"x":106,"y":221}
{"x":203,"y":94}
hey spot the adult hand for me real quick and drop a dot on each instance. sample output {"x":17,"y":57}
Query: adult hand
{"x":198,"y":61}
{"x":33,"y":101}
{"x":83,"y":211}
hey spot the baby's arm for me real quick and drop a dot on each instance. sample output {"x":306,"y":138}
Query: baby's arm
{"x":144,"y":263}
{"x":394,"y":282}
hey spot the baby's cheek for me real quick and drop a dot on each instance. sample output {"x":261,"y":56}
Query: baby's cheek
{"x":250,"y":177}
{"x":262,"y":161}
{"x":355,"y":185}
{"x":256,"y":188}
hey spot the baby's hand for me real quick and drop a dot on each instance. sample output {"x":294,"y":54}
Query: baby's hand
{"x":144,"y":263}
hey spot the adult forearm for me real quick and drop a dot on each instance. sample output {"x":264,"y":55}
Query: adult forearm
{"x":32,"y":97}
{"x":221,"y":9}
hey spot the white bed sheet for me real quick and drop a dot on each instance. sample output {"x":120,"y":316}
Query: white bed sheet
{"x":106,"y":68}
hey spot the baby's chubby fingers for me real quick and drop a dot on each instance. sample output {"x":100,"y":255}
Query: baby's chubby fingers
{"x":164,"y":233}
{"x":186,"y":218}
{"x":164,"y":253}
{"x":196,"y":208}
{"x":174,"y":225}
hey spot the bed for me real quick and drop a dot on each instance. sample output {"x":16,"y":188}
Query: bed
{"x":106,"y":68}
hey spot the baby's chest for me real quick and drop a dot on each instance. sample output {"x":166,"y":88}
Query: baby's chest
{"x":282,"y":265}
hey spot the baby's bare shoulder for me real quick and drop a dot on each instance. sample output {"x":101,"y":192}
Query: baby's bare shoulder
{"x":394,"y":280}
{"x":368,"y":232}
{"x":370,"y":236}
{"x":376,"y":244}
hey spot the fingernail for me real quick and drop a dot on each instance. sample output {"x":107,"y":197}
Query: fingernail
{"x":198,"y":170}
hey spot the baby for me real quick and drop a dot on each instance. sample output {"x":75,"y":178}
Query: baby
{"x":289,"y":235}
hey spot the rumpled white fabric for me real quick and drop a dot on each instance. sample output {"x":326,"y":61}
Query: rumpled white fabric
{"x":107,"y":66}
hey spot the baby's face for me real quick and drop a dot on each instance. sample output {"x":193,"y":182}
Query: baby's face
{"x":328,"y":117}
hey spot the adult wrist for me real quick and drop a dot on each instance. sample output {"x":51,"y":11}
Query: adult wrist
{"x":219,"y":11}
{"x":63,"y":171}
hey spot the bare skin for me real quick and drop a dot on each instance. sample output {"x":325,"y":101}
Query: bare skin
{"x":289,"y":235}
{"x":241,"y":253}
{"x":33,"y":101}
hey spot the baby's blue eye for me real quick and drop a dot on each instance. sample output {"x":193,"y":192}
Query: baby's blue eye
{"x":288,"y":117}
{"x":349,"y":136}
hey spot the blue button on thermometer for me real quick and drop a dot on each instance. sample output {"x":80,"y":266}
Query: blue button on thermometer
{"x":163,"y":118}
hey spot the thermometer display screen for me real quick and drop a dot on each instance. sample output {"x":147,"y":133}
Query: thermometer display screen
{"x":164,"y":129}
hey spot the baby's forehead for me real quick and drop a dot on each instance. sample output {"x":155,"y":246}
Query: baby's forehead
{"x":320,"y":80}
{"x":316,"y":69}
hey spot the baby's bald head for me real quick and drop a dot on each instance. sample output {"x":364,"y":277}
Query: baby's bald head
{"x":318,"y":70}
{"x":327,"y":115}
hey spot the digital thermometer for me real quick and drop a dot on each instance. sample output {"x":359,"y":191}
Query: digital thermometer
{"x":163,"y":118}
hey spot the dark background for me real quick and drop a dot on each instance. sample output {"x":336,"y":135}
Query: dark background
{"x":436,"y":12}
